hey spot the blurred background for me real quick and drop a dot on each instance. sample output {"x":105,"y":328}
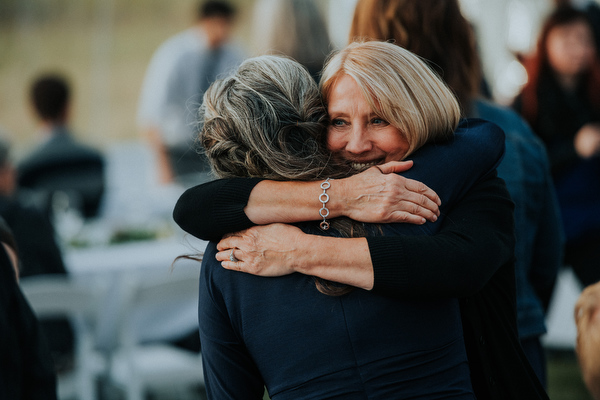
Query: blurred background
{"x":104,"y":46}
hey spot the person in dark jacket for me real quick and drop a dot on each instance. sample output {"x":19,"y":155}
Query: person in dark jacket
{"x":60,"y":163}
{"x":39,"y":252}
{"x":26,"y":366}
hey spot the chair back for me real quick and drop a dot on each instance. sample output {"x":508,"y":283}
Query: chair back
{"x":52,"y":296}
{"x":155,"y":295}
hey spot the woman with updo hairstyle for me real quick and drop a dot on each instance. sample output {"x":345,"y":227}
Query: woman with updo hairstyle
{"x":301,"y":340}
{"x":282,"y":137}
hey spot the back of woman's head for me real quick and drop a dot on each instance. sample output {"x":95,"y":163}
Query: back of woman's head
{"x":266,"y":120}
{"x":399,"y":87}
{"x":433,"y":29}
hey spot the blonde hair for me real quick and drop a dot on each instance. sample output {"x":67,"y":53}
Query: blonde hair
{"x":399,"y":87}
{"x":435,"y":30}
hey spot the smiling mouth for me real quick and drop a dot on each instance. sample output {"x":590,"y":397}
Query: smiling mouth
{"x":360,"y":166}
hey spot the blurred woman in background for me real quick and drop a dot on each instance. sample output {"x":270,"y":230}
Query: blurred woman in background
{"x":561,"y":101}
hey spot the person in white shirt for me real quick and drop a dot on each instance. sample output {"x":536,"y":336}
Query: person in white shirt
{"x":179,"y":72}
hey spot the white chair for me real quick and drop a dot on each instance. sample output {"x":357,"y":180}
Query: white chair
{"x":53,"y":296}
{"x":140,"y":367}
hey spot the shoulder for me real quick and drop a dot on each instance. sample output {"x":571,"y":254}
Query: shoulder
{"x":521,"y":142}
{"x":509,"y":120}
{"x":479,"y":129}
{"x":177,"y":44}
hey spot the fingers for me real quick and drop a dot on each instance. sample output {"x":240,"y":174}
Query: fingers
{"x":230,"y":241}
{"x":421,"y":188}
{"x":395,"y":167}
{"x":405,"y":217}
{"x":227,"y":261}
{"x":415,"y":214}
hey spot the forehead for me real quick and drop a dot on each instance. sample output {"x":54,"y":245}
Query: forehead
{"x":579,"y":27}
{"x":345,"y":93}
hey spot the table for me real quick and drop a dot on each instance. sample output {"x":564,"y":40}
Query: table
{"x":116,"y":266}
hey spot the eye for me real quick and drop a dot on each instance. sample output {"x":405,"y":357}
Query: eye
{"x":379,"y":121}
{"x":337,"y":122}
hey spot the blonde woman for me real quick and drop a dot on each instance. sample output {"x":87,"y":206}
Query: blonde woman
{"x":292,"y":335}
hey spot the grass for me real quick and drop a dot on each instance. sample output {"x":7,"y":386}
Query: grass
{"x":564,"y":377}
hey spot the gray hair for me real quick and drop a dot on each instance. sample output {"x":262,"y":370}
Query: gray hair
{"x":266,"y":120}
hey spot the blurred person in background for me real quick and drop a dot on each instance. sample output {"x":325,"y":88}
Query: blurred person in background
{"x":587,"y":319}
{"x":26,"y":365}
{"x":60,"y":163}
{"x":561,"y":101}
{"x":179,"y":73}
{"x":438,"y":32}
{"x":39,"y":252}
{"x":295,"y":28}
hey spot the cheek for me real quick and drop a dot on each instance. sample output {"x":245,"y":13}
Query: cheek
{"x":394,"y":145}
{"x":334,"y":141}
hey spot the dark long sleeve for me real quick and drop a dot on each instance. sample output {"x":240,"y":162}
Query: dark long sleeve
{"x":26,"y":364}
{"x":474,"y":241}
{"x":211,"y":210}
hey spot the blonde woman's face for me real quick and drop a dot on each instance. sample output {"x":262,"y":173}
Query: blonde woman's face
{"x":356,"y":133}
{"x":571,"y":48}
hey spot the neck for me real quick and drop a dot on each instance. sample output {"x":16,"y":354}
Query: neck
{"x":567,"y":82}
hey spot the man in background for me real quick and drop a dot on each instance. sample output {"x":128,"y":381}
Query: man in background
{"x":179,"y":73}
{"x":60,"y":163}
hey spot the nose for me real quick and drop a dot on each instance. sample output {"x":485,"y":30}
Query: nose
{"x":358,"y":141}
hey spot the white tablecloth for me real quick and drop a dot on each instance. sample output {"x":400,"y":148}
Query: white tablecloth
{"x":117,"y":265}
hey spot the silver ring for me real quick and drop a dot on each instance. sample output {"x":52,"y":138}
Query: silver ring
{"x":232,"y":257}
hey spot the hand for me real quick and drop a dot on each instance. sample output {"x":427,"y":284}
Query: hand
{"x":379,"y":195}
{"x":587,"y":318}
{"x":267,"y":250}
{"x":587,"y":140}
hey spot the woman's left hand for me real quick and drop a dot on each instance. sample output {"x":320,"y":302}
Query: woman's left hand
{"x":266,"y":250}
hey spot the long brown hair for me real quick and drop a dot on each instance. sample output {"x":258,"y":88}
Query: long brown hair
{"x":435,"y":30}
{"x":538,"y":65}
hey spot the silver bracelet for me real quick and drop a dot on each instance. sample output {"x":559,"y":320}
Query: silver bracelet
{"x":324,"y":198}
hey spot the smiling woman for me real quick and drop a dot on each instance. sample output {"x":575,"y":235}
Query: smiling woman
{"x":356,"y":133}
{"x":386,"y":112}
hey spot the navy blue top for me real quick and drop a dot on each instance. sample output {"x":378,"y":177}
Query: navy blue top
{"x":283,"y":333}
{"x":539,"y":235}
